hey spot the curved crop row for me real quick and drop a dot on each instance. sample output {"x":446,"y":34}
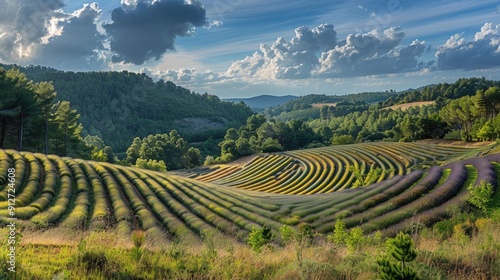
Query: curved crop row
{"x":329,"y":169}
{"x":87,"y":195}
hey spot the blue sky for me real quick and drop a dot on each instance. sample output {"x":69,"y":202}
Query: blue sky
{"x":231,"y":48}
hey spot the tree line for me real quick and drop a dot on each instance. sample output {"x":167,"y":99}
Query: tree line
{"x":468,"y":117}
{"x":32,"y":120}
{"x":119,"y":106}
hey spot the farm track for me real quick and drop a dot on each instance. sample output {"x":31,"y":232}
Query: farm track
{"x":312,"y":186}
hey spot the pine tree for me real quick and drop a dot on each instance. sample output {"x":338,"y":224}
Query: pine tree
{"x":402,"y":249}
{"x":66,"y":129}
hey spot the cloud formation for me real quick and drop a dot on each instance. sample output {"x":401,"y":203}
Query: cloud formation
{"x":75,"y":42}
{"x":294,"y":59}
{"x":22,"y":25}
{"x":316,"y":53}
{"x":372,"y":53}
{"x":481,"y":52}
{"x":186,"y":76}
{"x":141,"y":32}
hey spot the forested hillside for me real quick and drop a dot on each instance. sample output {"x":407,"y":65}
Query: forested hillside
{"x":460,"y":88}
{"x":118,"y":106}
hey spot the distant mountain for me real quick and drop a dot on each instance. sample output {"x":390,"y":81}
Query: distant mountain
{"x":263,"y":101}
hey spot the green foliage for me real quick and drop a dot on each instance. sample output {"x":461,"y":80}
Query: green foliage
{"x":31,"y":121}
{"x":137,"y":106}
{"x":209,"y":160}
{"x":151,"y":164}
{"x":171,"y":149}
{"x":402,"y":249}
{"x":193,"y":157}
{"x":340,"y":234}
{"x":480,"y":195}
{"x":343,"y":140}
{"x":99,"y":150}
{"x":66,"y":138}
{"x":259,"y":237}
{"x":355,"y":240}
{"x":287,"y":233}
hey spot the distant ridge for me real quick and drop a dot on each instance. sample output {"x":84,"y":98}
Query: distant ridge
{"x":263,"y":101}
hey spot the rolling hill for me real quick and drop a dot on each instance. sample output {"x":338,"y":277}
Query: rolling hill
{"x":314,"y":186}
{"x":119,"y":106}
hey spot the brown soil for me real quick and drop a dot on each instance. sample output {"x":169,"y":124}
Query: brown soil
{"x":242,"y":161}
{"x":409,"y":105}
{"x":455,"y":142}
{"x":319,"y":105}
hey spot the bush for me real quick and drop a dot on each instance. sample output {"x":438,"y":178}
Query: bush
{"x":480,"y":195}
{"x":151,"y":164}
{"x":258,"y":238}
{"x":209,"y":160}
{"x":355,"y":239}
{"x":92,"y":260}
{"x":339,"y":235}
{"x":343,"y":140}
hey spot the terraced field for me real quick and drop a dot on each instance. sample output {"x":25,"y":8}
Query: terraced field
{"x":330,"y":169}
{"x":77,"y":194}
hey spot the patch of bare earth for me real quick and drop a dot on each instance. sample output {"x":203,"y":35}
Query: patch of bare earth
{"x":455,"y":143}
{"x":319,"y":105}
{"x":242,"y":161}
{"x":409,"y":105}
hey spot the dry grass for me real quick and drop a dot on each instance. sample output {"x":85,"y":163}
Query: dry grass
{"x":242,"y":161}
{"x":409,"y":105}
{"x":319,"y":105}
{"x":455,"y":143}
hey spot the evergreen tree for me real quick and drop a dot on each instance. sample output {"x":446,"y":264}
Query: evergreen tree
{"x":401,"y":249}
{"x":45,"y":95}
{"x":133,"y":152}
{"x":66,"y":136}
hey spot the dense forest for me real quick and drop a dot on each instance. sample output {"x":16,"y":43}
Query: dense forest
{"x":119,"y":106}
{"x":460,"y":88}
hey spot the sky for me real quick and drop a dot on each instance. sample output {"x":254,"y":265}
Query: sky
{"x":244,"y":48}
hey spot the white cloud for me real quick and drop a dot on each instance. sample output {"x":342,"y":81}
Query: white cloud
{"x":316,"y":53}
{"x":481,"y":52}
{"x":294,"y":59}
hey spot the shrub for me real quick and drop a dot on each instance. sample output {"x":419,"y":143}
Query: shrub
{"x":339,"y":235}
{"x":402,"y":249}
{"x":287,"y":233}
{"x":151,"y":164}
{"x":480,"y":195}
{"x":209,"y":160}
{"x":258,"y":238}
{"x":355,"y":239}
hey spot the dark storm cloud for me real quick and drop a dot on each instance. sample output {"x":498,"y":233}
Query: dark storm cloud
{"x":78,"y":44}
{"x":145,"y":32}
